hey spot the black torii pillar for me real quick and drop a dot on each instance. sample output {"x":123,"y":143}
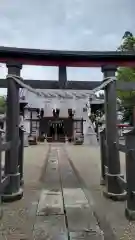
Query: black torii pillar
{"x":113,"y":188}
{"x":13,"y":191}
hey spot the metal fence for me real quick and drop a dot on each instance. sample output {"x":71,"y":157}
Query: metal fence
{"x":127,"y":183}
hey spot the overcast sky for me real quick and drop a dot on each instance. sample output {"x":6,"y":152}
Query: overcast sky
{"x":64,"y":24}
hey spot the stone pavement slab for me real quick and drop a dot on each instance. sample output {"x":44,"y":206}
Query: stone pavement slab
{"x":51,"y":227}
{"x":109,"y":214}
{"x":50,"y":203}
{"x":78,"y":212}
{"x":19,"y":216}
{"x":50,"y":217}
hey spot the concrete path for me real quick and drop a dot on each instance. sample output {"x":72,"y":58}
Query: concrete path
{"x":19,"y":217}
{"x":110,"y":215}
{"x":63,"y":198}
{"x":63,"y":210}
{"x":54,"y":205}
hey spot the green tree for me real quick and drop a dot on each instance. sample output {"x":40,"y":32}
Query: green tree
{"x":127,"y":74}
{"x":128,"y":43}
{"x":2,"y":104}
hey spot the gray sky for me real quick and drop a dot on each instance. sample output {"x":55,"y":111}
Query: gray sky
{"x":64,"y":24}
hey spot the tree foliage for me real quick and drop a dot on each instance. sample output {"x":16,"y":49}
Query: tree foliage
{"x":128,"y":43}
{"x":127,"y":75}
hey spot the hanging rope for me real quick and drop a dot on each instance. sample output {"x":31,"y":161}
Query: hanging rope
{"x":66,"y":95}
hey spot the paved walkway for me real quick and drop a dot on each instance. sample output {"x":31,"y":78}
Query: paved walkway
{"x":63,"y":210}
{"x":110,"y":215}
{"x":63,"y":198}
{"x":54,"y":205}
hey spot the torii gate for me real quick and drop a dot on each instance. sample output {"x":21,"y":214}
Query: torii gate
{"x":15,"y":58}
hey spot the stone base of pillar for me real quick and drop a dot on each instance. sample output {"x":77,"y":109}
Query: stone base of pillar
{"x":114,"y":190}
{"x":13,"y":191}
{"x":13,"y":197}
{"x":130,"y":214}
{"x":115,"y":197}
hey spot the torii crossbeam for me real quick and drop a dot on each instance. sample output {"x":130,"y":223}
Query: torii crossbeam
{"x":66,"y":58}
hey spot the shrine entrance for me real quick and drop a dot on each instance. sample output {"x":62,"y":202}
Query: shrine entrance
{"x":56,"y":131}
